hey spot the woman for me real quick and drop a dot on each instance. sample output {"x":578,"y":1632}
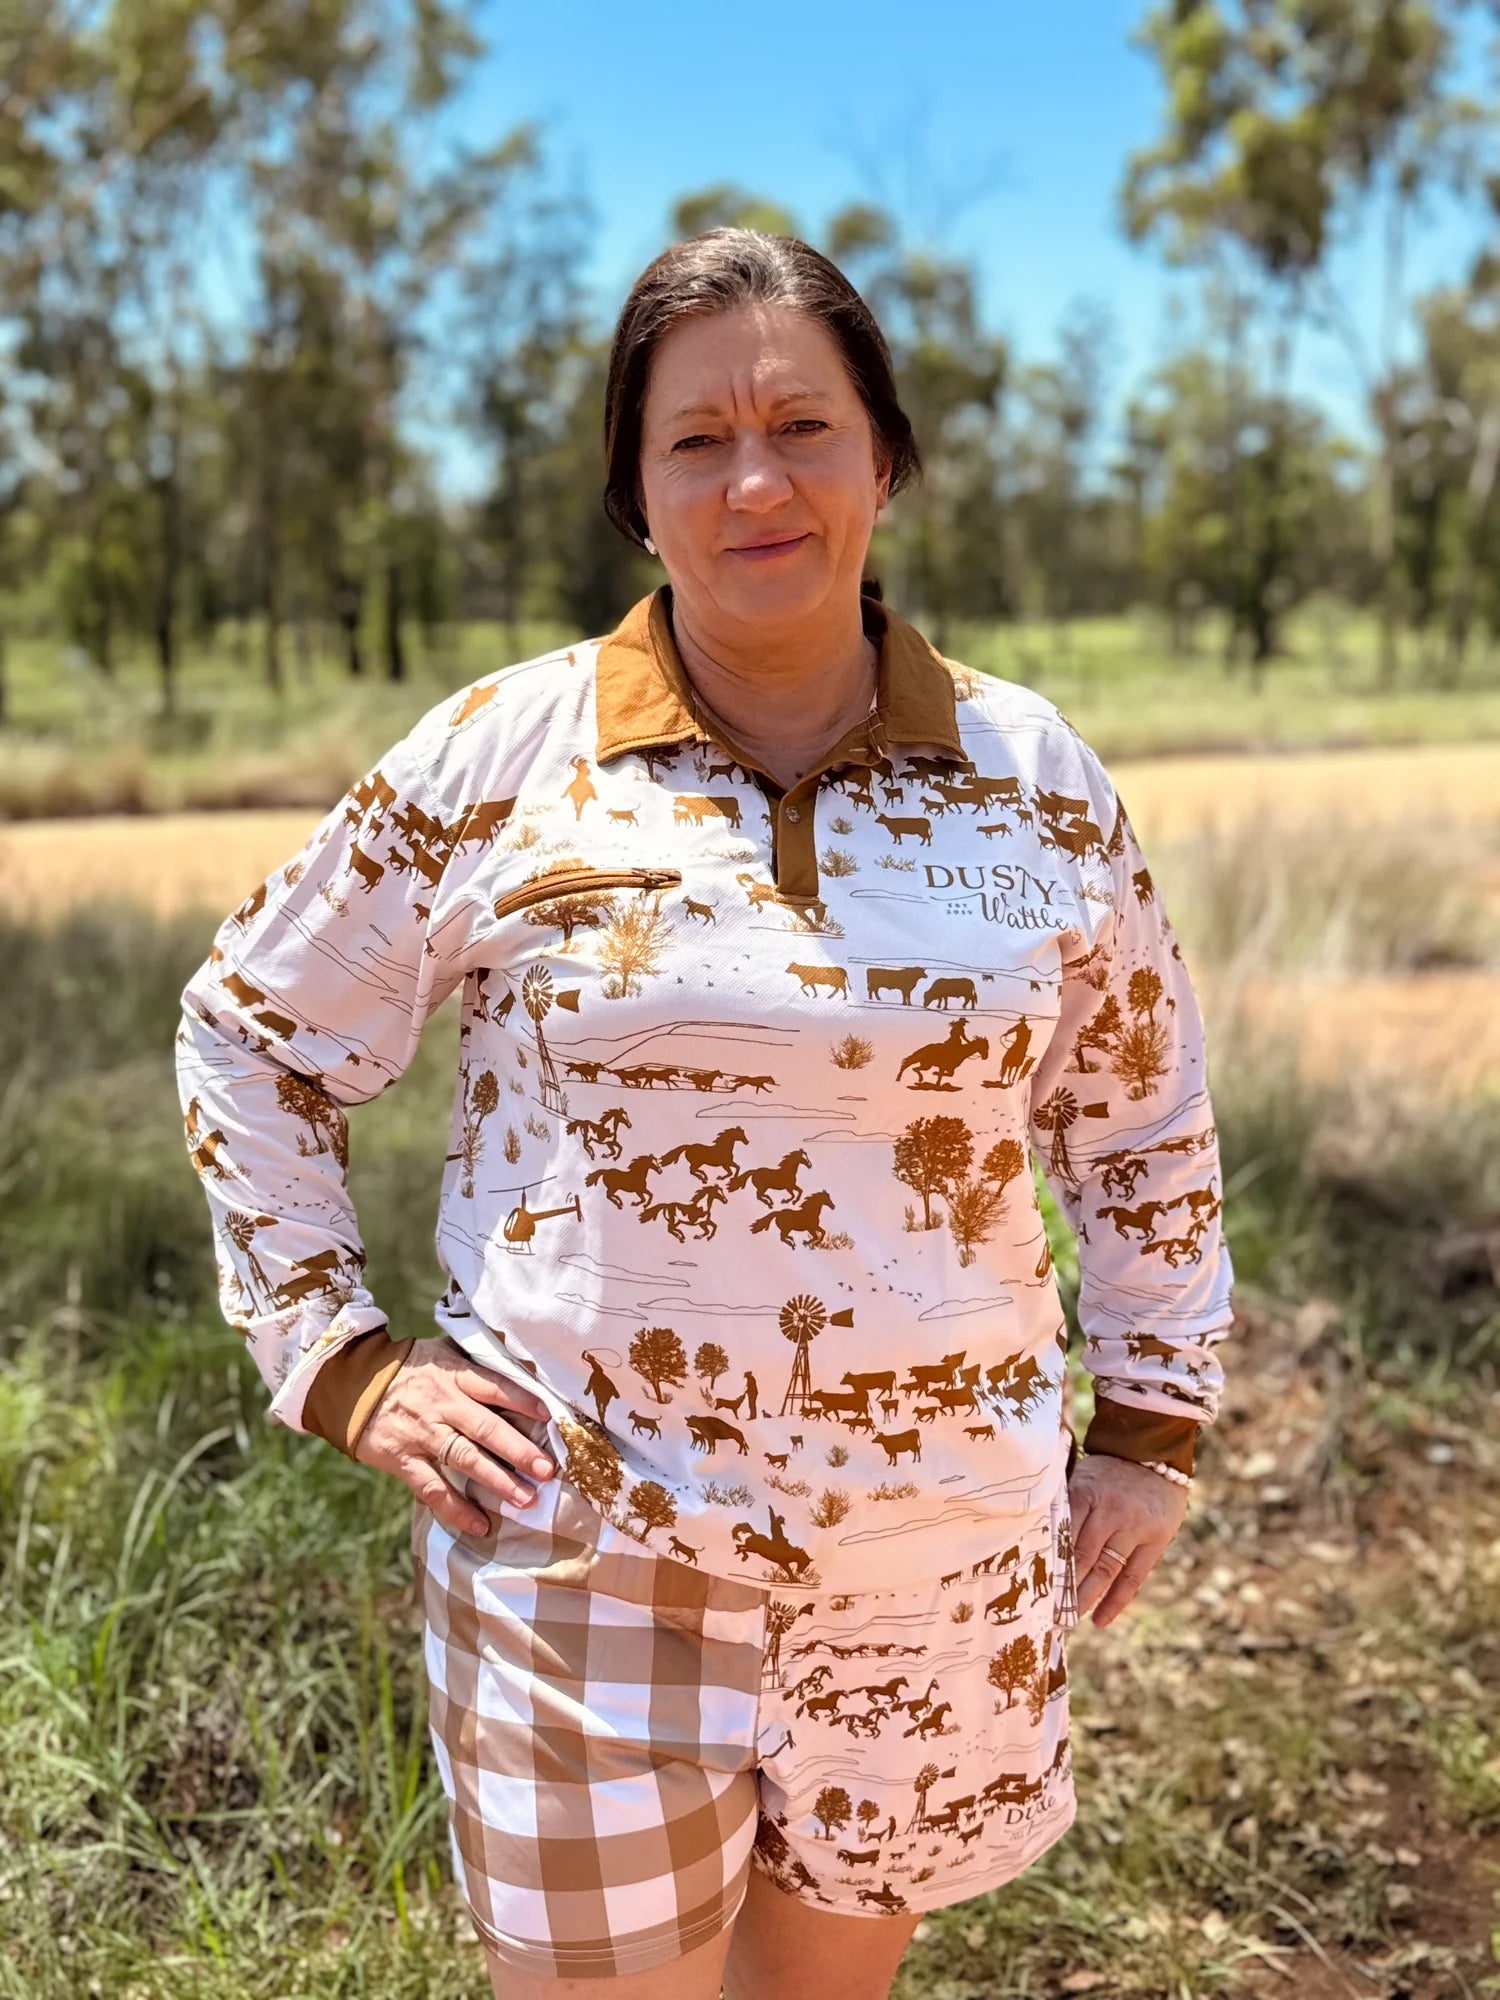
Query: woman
{"x":744,"y":1524}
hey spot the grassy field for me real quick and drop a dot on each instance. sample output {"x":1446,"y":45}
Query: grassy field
{"x":212,"y":1727}
{"x":216,"y":1783}
{"x":78,"y":743}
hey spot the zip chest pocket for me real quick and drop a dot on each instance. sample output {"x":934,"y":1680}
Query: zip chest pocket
{"x":579,"y":881}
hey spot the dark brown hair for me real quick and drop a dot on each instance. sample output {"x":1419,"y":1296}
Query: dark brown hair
{"x":717,"y":272}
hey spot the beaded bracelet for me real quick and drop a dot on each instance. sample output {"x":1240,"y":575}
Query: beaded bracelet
{"x":1167,"y":1471}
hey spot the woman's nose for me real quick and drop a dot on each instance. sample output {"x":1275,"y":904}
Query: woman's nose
{"x":757,"y":479}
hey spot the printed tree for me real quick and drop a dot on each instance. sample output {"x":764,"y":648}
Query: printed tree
{"x":1013,"y":1666}
{"x":593,"y":1463}
{"x":832,"y":1810}
{"x":710,"y":1362}
{"x":632,"y":945}
{"x":652,"y":1505}
{"x":483,"y":1099}
{"x":1001,"y":1164}
{"x":656,"y":1355}
{"x":1098,"y":1033}
{"x":1144,"y":991}
{"x":866,"y":1813}
{"x":833,"y":1505}
{"x":962,"y":1612}
{"x":930,"y":1155}
{"x":1140,"y":1057}
{"x":580,"y":909}
{"x":512,"y":1146}
{"x":974,"y":1207}
{"x":1036,"y":1691}
{"x":319,"y":1113}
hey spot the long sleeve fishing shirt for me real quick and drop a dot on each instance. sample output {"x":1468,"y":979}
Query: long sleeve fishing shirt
{"x":751,"y":1079}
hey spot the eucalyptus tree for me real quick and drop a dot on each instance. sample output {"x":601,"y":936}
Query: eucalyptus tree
{"x":1448,"y":462}
{"x":1050,"y":469}
{"x":1286,"y":126}
{"x":952,"y":374}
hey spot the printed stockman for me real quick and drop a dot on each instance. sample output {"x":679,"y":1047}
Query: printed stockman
{"x":738,"y":1173}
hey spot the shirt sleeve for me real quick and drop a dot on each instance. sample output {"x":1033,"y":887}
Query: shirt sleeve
{"x":312,"y":999}
{"x":1123,"y":1128}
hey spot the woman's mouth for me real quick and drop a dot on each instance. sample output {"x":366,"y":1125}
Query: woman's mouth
{"x":766,"y":551}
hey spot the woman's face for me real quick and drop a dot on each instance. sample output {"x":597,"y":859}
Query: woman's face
{"x":761,"y":478}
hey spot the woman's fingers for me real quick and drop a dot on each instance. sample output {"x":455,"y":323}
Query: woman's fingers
{"x":1122,"y":1587}
{"x":495,"y":1391}
{"x":490,"y":1472}
{"x":500,"y":1439}
{"x":1097,"y":1580}
{"x":434,"y":1402}
{"x":458,"y":1515}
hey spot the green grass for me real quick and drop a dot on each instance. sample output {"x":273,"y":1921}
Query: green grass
{"x":1119,"y":683}
{"x":214,"y":1775}
{"x":77,"y":742}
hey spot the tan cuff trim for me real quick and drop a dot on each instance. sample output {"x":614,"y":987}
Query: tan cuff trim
{"x":349,"y":1384}
{"x":1120,"y":1431}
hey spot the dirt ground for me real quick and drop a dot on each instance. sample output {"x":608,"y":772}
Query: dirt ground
{"x":1347,"y":1545}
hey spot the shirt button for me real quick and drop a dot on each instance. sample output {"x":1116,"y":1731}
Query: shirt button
{"x":793,"y":814}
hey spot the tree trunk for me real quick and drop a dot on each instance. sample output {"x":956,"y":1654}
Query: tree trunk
{"x":1385,"y":480}
{"x":1481,"y":492}
{"x":104,"y":651}
{"x":166,"y":588}
{"x":270,"y":584}
{"x":346,"y":608}
{"x":395,"y":655}
{"x":303,"y":633}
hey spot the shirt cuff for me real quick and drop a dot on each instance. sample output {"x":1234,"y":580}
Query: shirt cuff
{"x":349,"y":1384}
{"x":1121,"y":1430}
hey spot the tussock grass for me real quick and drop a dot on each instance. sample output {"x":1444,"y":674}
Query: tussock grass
{"x":1324,"y":896}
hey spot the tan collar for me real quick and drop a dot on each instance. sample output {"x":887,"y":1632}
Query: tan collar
{"x":643,"y":695}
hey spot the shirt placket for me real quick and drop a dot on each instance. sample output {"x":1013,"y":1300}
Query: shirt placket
{"x":794,"y":829}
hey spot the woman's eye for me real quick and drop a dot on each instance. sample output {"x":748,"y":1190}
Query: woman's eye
{"x":805,"y":426}
{"x":688,"y":443}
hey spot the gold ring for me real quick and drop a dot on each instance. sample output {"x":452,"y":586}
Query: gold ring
{"x":1107,"y":1551}
{"x":453,"y":1438}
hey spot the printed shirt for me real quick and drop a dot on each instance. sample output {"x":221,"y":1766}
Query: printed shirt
{"x":739,"y":1162}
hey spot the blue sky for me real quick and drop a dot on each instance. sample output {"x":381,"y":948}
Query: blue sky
{"x":1002,"y":128}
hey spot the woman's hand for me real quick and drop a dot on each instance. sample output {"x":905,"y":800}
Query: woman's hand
{"x":439,"y":1396}
{"x":1117,"y":1504}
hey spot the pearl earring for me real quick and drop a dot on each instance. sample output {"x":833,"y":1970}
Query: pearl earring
{"x":649,"y":545}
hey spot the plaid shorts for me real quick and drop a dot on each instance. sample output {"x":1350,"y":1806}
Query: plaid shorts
{"x":621,"y":1737}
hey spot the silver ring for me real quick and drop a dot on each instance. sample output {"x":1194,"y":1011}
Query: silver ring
{"x":453,"y":1438}
{"x":1107,"y":1551}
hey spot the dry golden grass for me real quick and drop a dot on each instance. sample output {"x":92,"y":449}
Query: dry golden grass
{"x":1440,"y":1031}
{"x":213,"y":860}
{"x":1169,"y":797}
{"x":177,"y":861}
{"x":1430,"y":1035}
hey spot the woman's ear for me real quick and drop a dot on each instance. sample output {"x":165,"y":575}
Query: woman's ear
{"x":882,"y":485}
